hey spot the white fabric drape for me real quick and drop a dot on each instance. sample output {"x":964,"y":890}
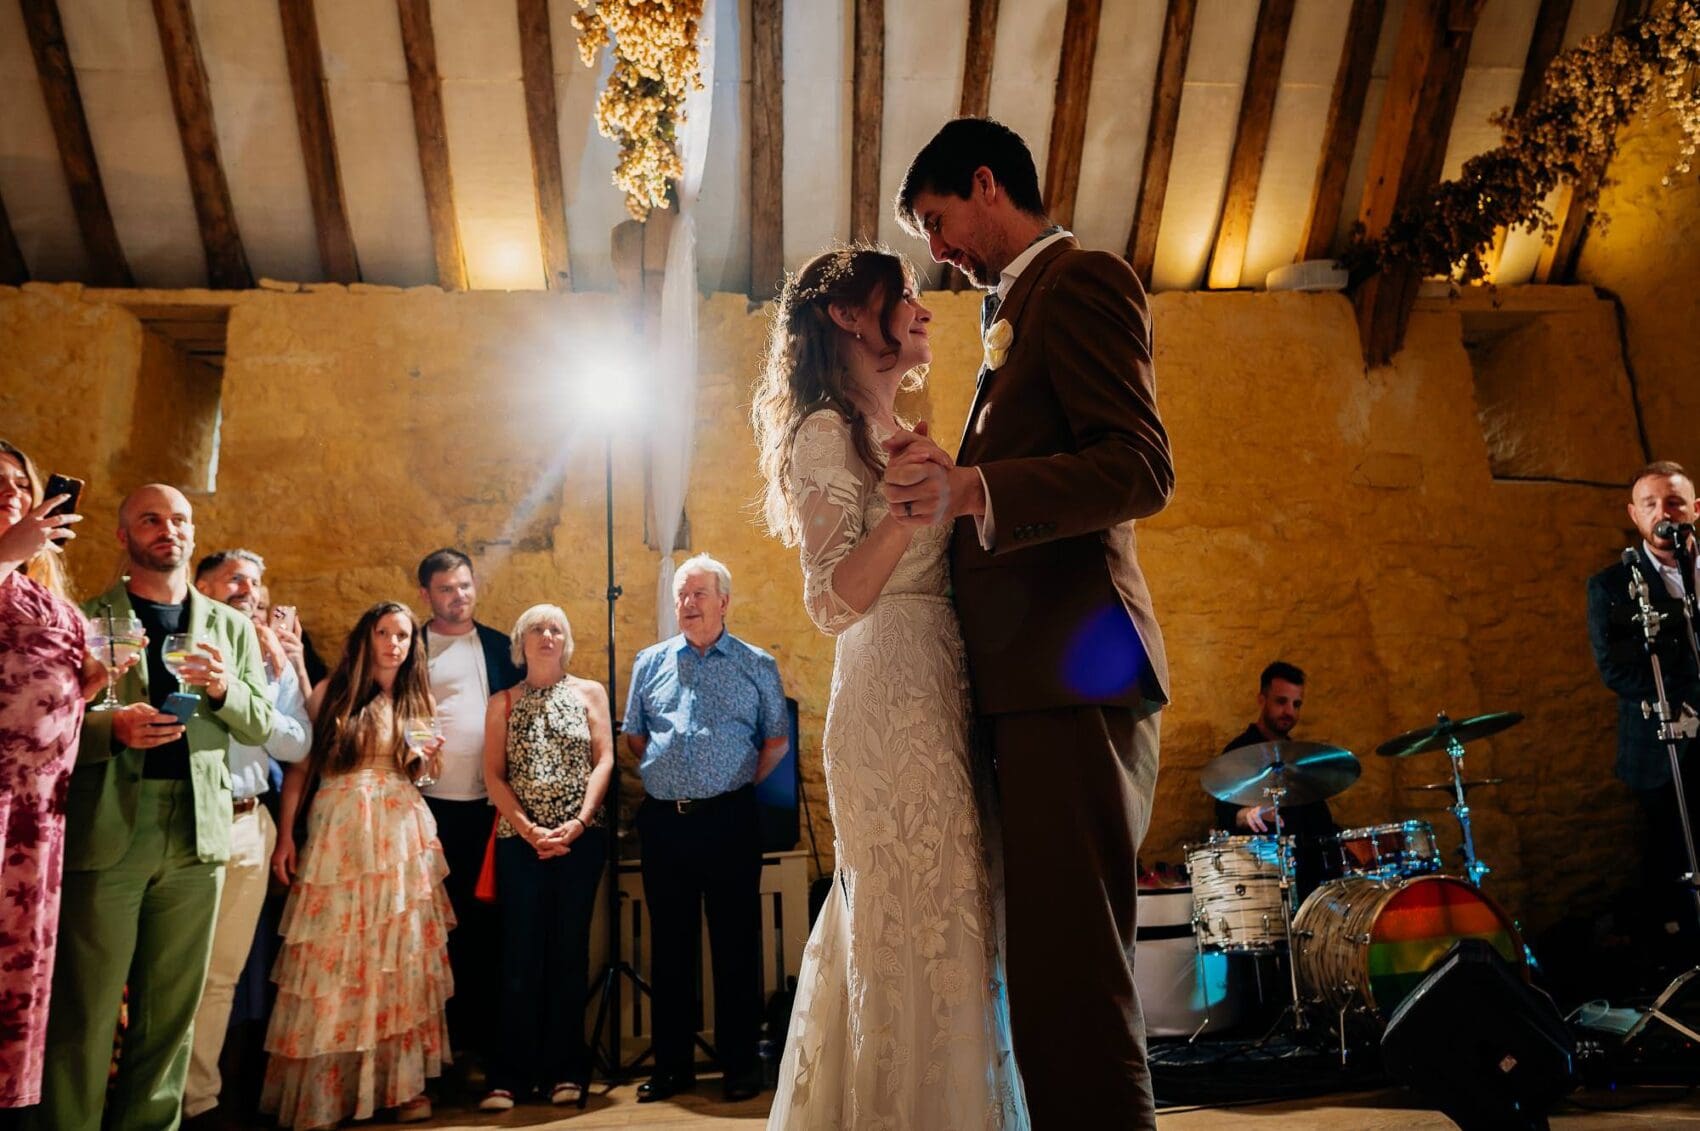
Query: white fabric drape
{"x":675,"y":402}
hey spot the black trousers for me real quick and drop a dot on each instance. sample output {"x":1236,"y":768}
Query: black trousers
{"x":707,"y":859}
{"x":1666,"y":855}
{"x":464,"y":829}
{"x":546,"y":907}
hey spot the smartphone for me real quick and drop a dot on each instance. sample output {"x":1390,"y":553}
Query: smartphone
{"x":179,"y":705}
{"x":63,"y":485}
{"x":283,"y":616}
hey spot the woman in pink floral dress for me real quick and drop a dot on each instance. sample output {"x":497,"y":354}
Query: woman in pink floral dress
{"x":44,"y":673}
{"x":364,"y":970}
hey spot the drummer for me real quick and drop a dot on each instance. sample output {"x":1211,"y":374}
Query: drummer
{"x":1279,"y":700}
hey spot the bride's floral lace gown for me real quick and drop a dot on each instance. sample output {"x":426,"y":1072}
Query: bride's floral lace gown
{"x":900,"y":1017}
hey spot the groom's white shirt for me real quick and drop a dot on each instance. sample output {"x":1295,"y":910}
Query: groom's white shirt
{"x":1006,"y":280}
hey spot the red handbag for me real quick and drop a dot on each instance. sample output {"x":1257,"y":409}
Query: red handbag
{"x":485,"y":889}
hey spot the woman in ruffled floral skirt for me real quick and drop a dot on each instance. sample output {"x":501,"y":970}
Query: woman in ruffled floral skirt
{"x":363,"y":974}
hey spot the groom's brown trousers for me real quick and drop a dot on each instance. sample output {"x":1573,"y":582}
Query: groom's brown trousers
{"x":1075,"y":788}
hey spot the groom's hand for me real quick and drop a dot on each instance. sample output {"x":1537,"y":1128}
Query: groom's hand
{"x":923,"y":486}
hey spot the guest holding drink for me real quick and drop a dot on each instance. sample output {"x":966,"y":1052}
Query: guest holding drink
{"x":548,"y":755}
{"x":44,"y":675}
{"x":147,"y":832}
{"x":363,"y":975}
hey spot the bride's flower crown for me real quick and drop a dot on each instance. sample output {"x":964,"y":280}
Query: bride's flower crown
{"x":836,"y":271}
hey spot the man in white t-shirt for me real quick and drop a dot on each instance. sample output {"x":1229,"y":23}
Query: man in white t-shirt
{"x":469,"y":662}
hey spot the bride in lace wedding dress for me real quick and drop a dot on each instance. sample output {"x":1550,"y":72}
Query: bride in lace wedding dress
{"x":900,"y":1018}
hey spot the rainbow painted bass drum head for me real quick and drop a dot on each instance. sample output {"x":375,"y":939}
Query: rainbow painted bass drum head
{"x":1369,"y":942}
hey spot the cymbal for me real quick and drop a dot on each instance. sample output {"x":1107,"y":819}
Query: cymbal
{"x":1436,"y":737}
{"x":1446,"y":786}
{"x":1310,"y":771}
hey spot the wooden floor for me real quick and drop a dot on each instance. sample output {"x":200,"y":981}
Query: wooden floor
{"x":1369,"y":1111}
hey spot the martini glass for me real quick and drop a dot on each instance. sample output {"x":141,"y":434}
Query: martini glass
{"x":114,"y":639}
{"x":420,"y":733}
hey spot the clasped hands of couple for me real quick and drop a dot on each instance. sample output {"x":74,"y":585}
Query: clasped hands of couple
{"x":922,"y":484}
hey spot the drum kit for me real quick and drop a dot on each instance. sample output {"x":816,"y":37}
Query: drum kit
{"x":1366,"y":937}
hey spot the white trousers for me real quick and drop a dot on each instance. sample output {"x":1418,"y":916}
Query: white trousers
{"x":253,"y":836}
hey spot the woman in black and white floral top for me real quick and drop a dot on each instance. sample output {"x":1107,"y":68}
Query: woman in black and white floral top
{"x":548,"y":753}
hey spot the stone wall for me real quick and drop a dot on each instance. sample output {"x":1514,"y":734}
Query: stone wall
{"x":1346,"y":521}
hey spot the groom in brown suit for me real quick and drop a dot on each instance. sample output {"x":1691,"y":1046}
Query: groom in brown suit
{"x":1063,"y":450}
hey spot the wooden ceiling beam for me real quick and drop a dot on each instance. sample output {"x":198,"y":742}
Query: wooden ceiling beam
{"x":1160,"y":136}
{"x":107,"y":265}
{"x":1410,"y":147}
{"x":1340,"y":133}
{"x":335,"y":236}
{"x":977,"y":58}
{"x":976,"y":83}
{"x":13,"y":270}
{"x":1559,"y":258}
{"x":868,"y":100}
{"x":1068,"y":111}
{"x":1251,"y":143}
{"x":537,"y":73}
{"x":425,"y":85}
{"x":1544,"y":43}
{"x":767,"y":147}
{"x":191,"y":100}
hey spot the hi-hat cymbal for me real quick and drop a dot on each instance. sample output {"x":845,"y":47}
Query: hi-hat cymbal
{"x":1310,"y":771}
{"x":1446,"y":786}
{"x":1436,"y":737}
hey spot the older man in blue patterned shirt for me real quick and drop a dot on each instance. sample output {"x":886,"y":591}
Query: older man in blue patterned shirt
{"x":707,"y":720}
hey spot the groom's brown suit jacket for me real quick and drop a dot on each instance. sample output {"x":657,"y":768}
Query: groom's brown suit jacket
{"x":1066,"y":433}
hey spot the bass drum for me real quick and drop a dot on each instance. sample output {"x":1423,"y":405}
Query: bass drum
{"x":1369,"y":942}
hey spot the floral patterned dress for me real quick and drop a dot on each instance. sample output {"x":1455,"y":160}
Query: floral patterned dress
{"x":900,"y":1019}
{"x":363,"y":973}
{"x":41,"y":713}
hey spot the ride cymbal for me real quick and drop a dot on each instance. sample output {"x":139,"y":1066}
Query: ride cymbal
{"x":1445,"y":730}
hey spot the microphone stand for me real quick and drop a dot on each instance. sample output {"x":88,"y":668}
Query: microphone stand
{"x":1671,"y":728}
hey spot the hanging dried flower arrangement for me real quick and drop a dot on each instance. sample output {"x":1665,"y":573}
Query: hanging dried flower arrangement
{"x":656,"y":64}
{"x":1566,"y":133}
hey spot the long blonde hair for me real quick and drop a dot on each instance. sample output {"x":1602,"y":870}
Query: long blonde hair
{"x":47,"y":568}
{"x":806,"y":367}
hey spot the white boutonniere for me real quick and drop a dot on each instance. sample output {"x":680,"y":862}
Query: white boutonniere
{"x":1000,"y":335}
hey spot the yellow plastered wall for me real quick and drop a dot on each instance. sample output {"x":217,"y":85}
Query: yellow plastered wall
{"x":1343,"y":520}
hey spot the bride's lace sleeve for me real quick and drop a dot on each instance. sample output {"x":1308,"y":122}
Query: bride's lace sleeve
{"x":828,"y":482}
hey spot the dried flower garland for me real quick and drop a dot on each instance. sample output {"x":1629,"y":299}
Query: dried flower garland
{"x":656,"y":63}
{"x":1566,"y":133}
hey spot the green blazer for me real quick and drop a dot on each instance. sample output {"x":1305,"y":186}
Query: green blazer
{"x":100,"y":811}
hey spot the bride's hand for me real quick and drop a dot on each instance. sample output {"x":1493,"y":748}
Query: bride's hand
{"x":915,"y":447}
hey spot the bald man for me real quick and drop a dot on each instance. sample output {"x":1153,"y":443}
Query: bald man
{"x":147,"y":832}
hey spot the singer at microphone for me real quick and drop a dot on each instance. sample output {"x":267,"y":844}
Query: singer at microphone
{"x":1662,"y":508}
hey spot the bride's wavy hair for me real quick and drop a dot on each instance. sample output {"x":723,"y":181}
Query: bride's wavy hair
{"x":806,"y":367}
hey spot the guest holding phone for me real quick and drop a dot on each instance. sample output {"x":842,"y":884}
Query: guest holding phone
{"x":147,"y":832}
{"x":548,"y":754}
{"x":363,"y":976}
{"x":45,"y":674}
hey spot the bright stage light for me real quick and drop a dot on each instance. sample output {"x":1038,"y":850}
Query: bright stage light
{"x":606,"y":386}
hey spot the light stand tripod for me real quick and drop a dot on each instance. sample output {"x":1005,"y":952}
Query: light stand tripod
{"x":615,"y":967}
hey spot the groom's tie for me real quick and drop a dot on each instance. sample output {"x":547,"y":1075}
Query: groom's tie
{"x":989,"y":311}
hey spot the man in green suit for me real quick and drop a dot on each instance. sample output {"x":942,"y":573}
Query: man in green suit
{"x":147,"y":831}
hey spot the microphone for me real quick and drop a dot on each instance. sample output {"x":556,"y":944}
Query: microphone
{"x":1677,"y":532}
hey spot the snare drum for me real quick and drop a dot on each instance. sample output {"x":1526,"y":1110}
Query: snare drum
{"x":1369,"y":942}
{"x":1387,"y":852}
{"x":1236,"y":891}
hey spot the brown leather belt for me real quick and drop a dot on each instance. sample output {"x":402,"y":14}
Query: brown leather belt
{"x":241,"y":805}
